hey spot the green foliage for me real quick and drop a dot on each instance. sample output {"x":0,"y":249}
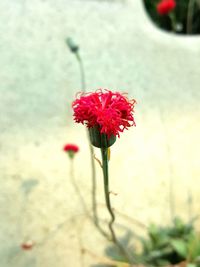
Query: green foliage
{"x":164,"y":246}
{"x":193,"y":250}
{"x":171,"y":245}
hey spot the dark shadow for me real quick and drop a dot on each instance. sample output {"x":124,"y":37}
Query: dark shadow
{"x":175,"y":21}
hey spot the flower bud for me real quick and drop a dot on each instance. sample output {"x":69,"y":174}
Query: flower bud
{"x":100,"y":140}
{"x":72,"y":46}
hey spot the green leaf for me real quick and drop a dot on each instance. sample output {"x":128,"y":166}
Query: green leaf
{"x":180,"y":246}
{"x":163,"y":262}
{"x":194,"y":248}
{"x":191,"y":265}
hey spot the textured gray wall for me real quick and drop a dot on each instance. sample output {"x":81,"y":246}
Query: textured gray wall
{"x":39,"y":77}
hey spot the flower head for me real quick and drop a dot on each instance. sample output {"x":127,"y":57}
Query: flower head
{"x":165,"y":6}
{"x":72,"y":46}
{"x":71,"y":149}
{"x":111,"y":112}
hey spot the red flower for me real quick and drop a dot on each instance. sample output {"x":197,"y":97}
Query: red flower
{"x":165,"y":6}
{"x":71,"y":148}
{"x":112,"y":112}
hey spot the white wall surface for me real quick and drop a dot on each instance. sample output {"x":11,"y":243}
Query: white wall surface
{"x":39,"y":77}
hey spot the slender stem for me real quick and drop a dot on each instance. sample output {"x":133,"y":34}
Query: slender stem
{"x":94,"y":203}
{"x":78,"y":192}
{"x":190,"y":202}
{"x":173,"y":21}
{"x":94,"y":206}
{"x":190,"y":16}
{"x":104,"y":152}
{"x":106,"y":191}
{"x":82,"y":72}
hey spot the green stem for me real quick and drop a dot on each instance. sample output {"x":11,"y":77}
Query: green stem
{"x":106,"y":191}
{"x":173,"y":21}
{"x":190,"y":202}
{"x":82,"y":72}
{"x":94,"y":203}
{"x":78,"y":192}
{"x":104,"y":152}
{"x":191,"y":4}
{"x":94,"y":206}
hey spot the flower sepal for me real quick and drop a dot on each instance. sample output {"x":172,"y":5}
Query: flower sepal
{"x":71,"y":154}
{"x":100,"y":140}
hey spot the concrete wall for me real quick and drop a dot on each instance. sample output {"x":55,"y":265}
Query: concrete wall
{"x":39,"y":77}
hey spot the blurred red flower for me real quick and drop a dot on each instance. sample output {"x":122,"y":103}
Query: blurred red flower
{"x":110,"y":111}
{"x":165,"y":6}
{"x":71,"y":147}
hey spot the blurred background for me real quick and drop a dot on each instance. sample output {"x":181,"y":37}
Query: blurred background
{"x":122,"y":50}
